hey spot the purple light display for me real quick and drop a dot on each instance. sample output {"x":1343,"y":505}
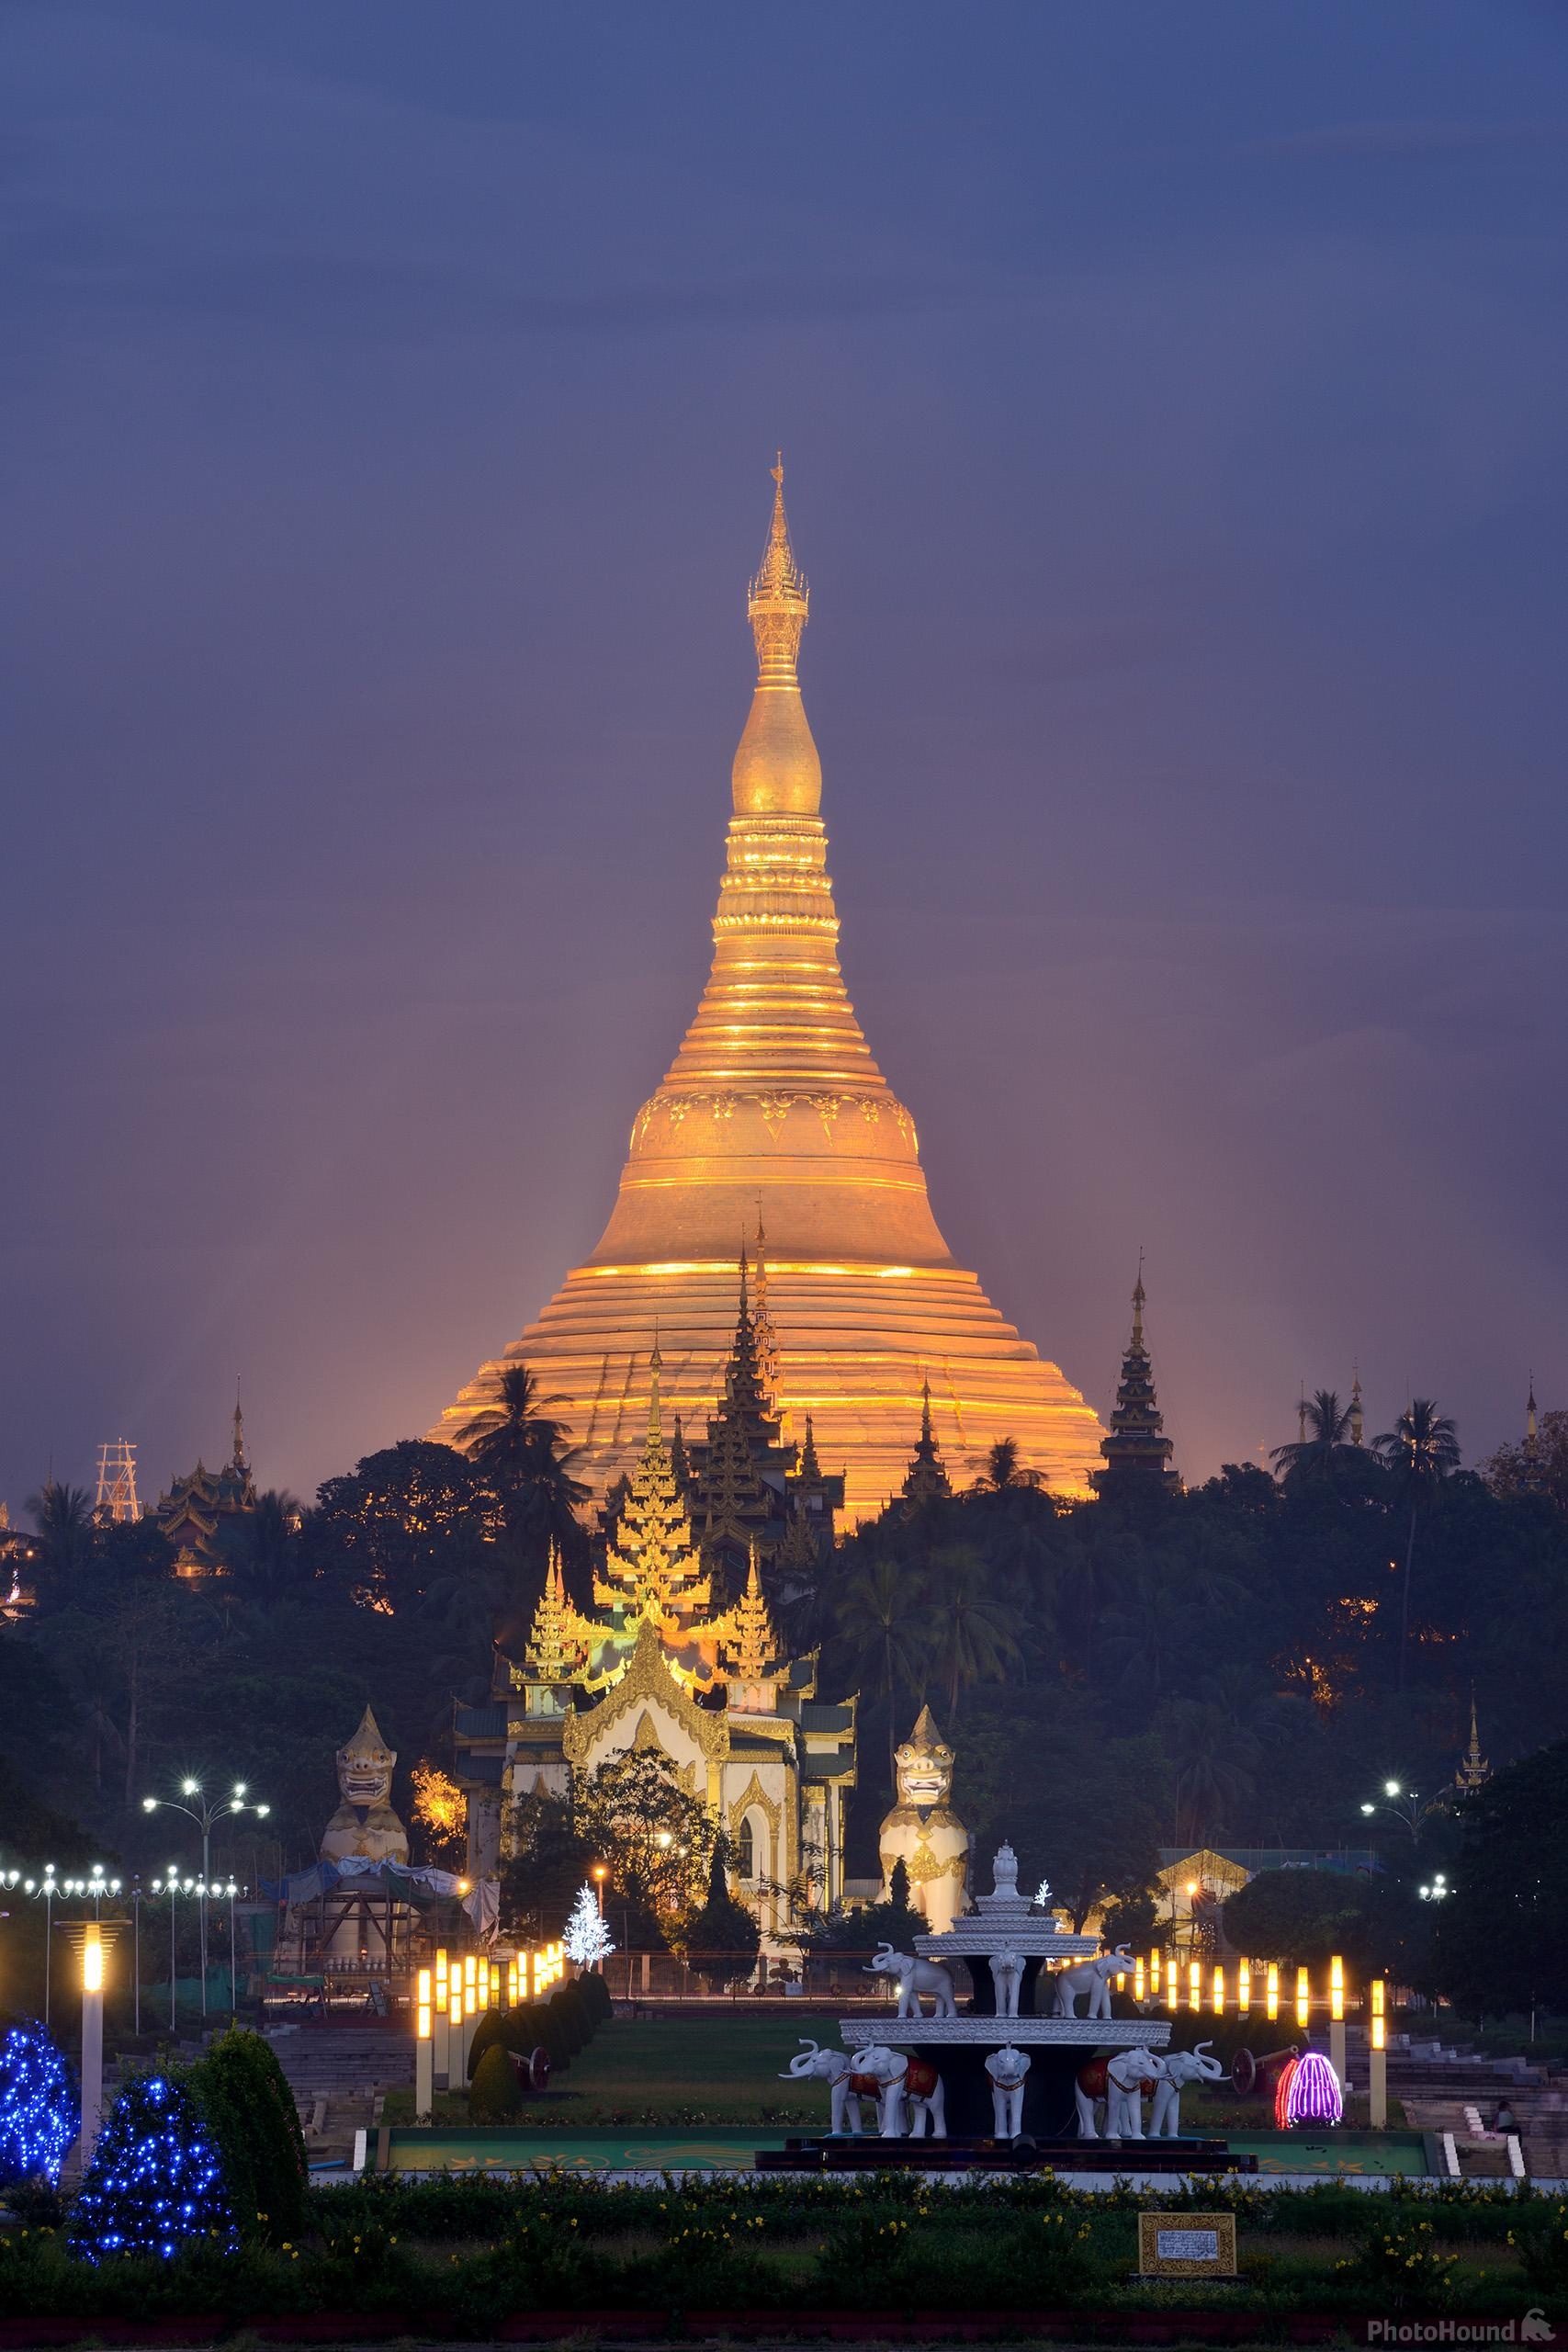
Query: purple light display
{"x":1315,"y":2096}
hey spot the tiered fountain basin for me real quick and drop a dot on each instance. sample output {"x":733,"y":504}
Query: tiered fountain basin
{"x":1005,"y":1945}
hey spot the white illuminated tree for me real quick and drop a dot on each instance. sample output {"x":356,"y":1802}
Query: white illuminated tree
{"x":587,"y":1938}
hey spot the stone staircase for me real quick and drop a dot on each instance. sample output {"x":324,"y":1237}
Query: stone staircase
{"x":338,"y":2074}
{"x":1446,"y":2087}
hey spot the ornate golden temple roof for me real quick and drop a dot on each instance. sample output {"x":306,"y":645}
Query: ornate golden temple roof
{"x":774,"y":1106}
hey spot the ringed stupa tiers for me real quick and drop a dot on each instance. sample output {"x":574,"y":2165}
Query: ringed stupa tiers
{"x":774,"y":1115}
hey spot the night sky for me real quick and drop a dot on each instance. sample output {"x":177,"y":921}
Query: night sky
{"x":1175,"y":405}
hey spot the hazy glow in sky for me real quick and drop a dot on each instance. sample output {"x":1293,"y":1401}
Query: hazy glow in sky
{"x":1174,"y":403}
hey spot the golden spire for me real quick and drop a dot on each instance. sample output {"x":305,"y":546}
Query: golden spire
{"x":558,"y":1642}
{"x":655,"y":1366}
{"x":651,"y":1566}
{"x":777,"y":599}
{"x":744,"y":1637}
{"x":776,"y":771}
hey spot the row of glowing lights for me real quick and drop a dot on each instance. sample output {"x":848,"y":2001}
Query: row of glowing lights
{"x":1161,"y":1966}
{"x":460,"y":1991}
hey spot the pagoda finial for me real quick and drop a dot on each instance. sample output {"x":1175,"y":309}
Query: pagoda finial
{"x":926,"y":1410}
{"x":1530,"y":1433}
{"x":655,"y":1366}
{"x":777,"y":598}
{"x":1138,"y":1309}
{"x":1358,"y":1423}
{"x":240,"y":1463}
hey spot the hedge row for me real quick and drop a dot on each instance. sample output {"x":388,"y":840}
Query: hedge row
{"x":901,"y":2246}
{"x":561,"y":2026}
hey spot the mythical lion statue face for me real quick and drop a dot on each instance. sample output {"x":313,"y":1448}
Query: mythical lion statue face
{"x":365,"y":1765}
{"x":924,"y":1766}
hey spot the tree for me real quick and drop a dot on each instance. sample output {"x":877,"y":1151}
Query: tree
{"x":1502,"y":1935}
{"x":264,"y":1548}
{"x":1511,"y":1472}
{"x":524,"y":1450}
{"x":657,"y":1840}
{"x":1003,"y":1469}
{"x":971,"y":1632}
{"x":548,"y":1857}
{"x":242,"y":2097}
{"x":63,"y":1517}
{"x":721,"y":1940}
{"x":878,"y":1623}
{"x":1422,"y":1450}
{"x":40,"y":2106}
{"x":1301,"y":1918}
{"x":401,"y":1521}
{"x":587,"y":1938}
{"x":155,"y":2183}
{"x":441,"y":1811}
{"x":1326,"y":1443}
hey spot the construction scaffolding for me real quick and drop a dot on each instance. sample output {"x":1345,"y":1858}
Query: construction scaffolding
{"x":117,"y":1499}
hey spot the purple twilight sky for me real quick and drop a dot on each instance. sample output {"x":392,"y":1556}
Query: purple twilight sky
{"x":1175,"y":402}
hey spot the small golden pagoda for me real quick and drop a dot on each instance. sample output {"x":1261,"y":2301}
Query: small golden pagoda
{"x":774,"y":1108}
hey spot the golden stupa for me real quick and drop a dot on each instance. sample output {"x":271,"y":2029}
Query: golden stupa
{"x":774,"y":1117}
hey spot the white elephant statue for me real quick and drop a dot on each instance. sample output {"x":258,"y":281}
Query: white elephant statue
{"x":1117,"y":2081}
{"x":833,"y":2068}
{"x":879,"y":2072}
{"x":1178,"y":2068}
{"x":1006,"y":1976}
{"x":926,"y":2099}
{"x":1006,"y":2070}
{"x":1126,"y":2075}
{"x":915,"y":1977}
{"x":1093,"y":1977}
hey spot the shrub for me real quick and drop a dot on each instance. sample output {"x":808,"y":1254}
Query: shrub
{"x":567,"y":2005}
{"x":495,"y":2096}
{"x":155,"y":2182}
{"x":596,"y":1997}
{"x":1400,"y":2269}
{"x":244,"y":2097}
{"x":1541,"y":2237}
{"x":39,"y":2107}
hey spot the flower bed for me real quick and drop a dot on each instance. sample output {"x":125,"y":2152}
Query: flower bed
{"x":383,"y":2258}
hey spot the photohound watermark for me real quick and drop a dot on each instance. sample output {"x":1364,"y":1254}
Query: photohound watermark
{"x":1534,"y":2328}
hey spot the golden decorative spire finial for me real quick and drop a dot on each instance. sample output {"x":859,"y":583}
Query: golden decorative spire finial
{"x":655,"y":1366}
{"x":777,"y":599}
{"x":1138,"y":1307}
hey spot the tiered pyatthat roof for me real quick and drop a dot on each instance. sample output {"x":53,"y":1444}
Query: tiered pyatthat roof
{"x":748,"y":1486}
{"x":748,"y":1649}
{"x":195,"y":1507}
{"x":928,"y":1481}
{"x":561,"y":1641}
{"x":654,"y":1587}
{"x":1474,"y":1769}
{"x":1137,"y":1452}
{"x":651,"y":1567}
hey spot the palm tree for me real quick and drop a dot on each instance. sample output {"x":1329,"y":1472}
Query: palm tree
{"x":525,"y":1451}
{"x":877,"y":1612}
{"x":1326,"y":1442}
{"x":1001,"y":1465}
{"x":1215,"y":1758}
{"x":63,"y":1517}
{"x":973,"y":1634}
{"x":1421,"y":1449}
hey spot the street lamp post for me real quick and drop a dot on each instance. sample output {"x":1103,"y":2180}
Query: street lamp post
{"x":1406,"y":1805}
{"x":49,"y":1887}
{"x":206,"y":1813}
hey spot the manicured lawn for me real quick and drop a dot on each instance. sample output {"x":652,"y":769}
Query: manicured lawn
{"x":680,"y":2069}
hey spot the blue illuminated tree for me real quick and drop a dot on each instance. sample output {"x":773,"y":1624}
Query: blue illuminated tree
{"x":39,"y":2110}
{"x":155,"y":2183}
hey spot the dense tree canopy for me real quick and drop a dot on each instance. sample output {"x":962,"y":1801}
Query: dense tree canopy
{"x":1223,"y":1667}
